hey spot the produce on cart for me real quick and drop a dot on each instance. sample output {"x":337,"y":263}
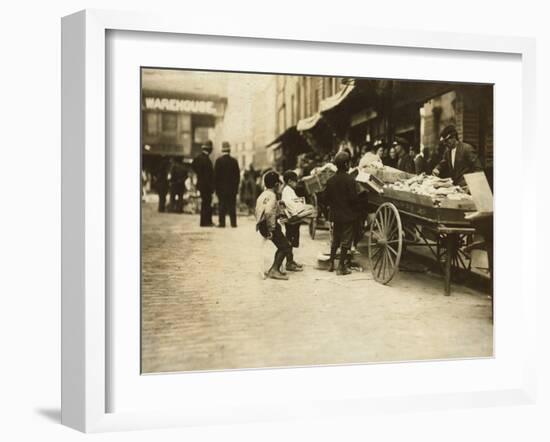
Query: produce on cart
{"x":429,"y":209}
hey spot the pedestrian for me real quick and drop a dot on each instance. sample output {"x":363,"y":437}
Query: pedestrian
{"x":391,"y":159}
{"x":341,"y":195}
{"x":202,"y":165}
{"x":370,"y":157}
{"x":248,"y":189}
{"x":227,"y":178}
{"x":421,"y":162}
{"x":267,"y":212}
{"x":178,"y":175}
{"x":459,"y":158}
{"x":404,"y":160}
{"x":292,"y":204}
{"x":160,"y":176}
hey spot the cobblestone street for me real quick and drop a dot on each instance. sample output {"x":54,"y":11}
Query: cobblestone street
{"x":206,"y":307}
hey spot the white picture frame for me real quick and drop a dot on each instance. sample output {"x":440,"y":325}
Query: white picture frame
{"x":85,"y":313}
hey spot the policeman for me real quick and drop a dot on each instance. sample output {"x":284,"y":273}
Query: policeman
{"x":227,"y":177}
{"x":202,"y":165}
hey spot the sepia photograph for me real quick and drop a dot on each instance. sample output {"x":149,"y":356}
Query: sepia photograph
{"x":293,"y":220}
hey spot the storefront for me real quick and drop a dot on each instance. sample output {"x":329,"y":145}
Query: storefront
{"x":176,"y":125}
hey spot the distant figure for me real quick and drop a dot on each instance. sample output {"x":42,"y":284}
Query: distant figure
{"x":227,"y":177}
{"x":391,"y":159}
{"x":202,"y":165}
{"x":178,"y":175}
{"x":422,"y":161}
{"x":404,"y":160}
{"x":370,"y":158}
{"x":160,"y":176}
{"x":459,"y":158}
{"x":248,"y":189}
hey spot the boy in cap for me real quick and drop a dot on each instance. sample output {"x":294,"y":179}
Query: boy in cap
{"x":341,"y":194}
{"x":292,"y":203}
{"x":266,"y":223}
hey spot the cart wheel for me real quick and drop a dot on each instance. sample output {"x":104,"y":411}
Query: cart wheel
{"x":312,"y":228}
{"x":385,"y":242}
{"x":313,"y":222}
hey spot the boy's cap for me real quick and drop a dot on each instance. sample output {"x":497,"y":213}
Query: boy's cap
{"x":226,"y":147}
{"x":207,"y":145}
{"x":341,"y":158}
{"x":270,"y":179}
{"x":290,"y":175}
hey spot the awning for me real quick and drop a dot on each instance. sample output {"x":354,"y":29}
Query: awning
{"x":335,"y":100}
{"x":308,"y":123}
{"x":290,"y":141}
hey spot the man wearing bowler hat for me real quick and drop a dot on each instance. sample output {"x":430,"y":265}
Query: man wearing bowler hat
{"x":202,"y":165}
{"x":227,"y":177}
{"x":459,"y":158}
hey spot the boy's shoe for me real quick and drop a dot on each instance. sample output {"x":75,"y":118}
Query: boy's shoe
{"x":300,"y":266}
{"x":343,"y":271}
{"x":292,"y":267}
{"x":276,"y":274}
{"x":331,"y":266}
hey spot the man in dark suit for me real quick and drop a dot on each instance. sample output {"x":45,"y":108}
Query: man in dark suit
{"x":404,"y":160}
{"x":227,"y":177}
{"x":341,"y":196}
{"x":161,"y":181}
{"x":459,"y":158}
{"x":178,"y":175}
{"x":202,"y":165}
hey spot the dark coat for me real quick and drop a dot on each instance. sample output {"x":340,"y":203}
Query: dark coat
{"x":405,"y":163}
{"x":422,"y":165}
{"x":466,"y":161}
{"x":227,"y":176}
{"x":179,"y":175}
{"x":341,"y":197}
{"x":202,"y":165}
{"x":160,"y":175}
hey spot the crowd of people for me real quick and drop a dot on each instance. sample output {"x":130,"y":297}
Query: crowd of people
{"x":346,"y":202}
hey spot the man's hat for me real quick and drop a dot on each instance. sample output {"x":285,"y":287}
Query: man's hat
{"x":341,"y":158}
{"x":400,"y":141}
{"x":207,"y":145}
{"x":449,"y":132}
{"x":226,"y":147}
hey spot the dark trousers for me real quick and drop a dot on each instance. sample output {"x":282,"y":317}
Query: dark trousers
{"x":206,"y":209}
{"x":283,"y":246}
{"x":293,"y":234}
{"x":176,"y":198}
{"x":162,"y":201}
{"x":342,"y":235}
{"x":228,"y":206}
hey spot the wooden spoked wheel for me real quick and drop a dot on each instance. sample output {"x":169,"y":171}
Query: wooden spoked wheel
{"x":313,"y":221}
{"x":312,"y":227}
{"x":385,"y":243}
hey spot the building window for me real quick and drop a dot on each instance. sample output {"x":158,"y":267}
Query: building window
{"x":169,"y":122}
{"x":292,"y":110}
{"x":151,"y":123}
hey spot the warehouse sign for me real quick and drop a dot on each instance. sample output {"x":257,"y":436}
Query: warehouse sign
{"x":181,"y":105}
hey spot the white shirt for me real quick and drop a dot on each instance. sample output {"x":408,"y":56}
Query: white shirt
{"x":453,"y":154}
{"x":292,"y":202}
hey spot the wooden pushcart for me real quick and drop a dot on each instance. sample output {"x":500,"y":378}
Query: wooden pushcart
{"x":402,"y":219}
